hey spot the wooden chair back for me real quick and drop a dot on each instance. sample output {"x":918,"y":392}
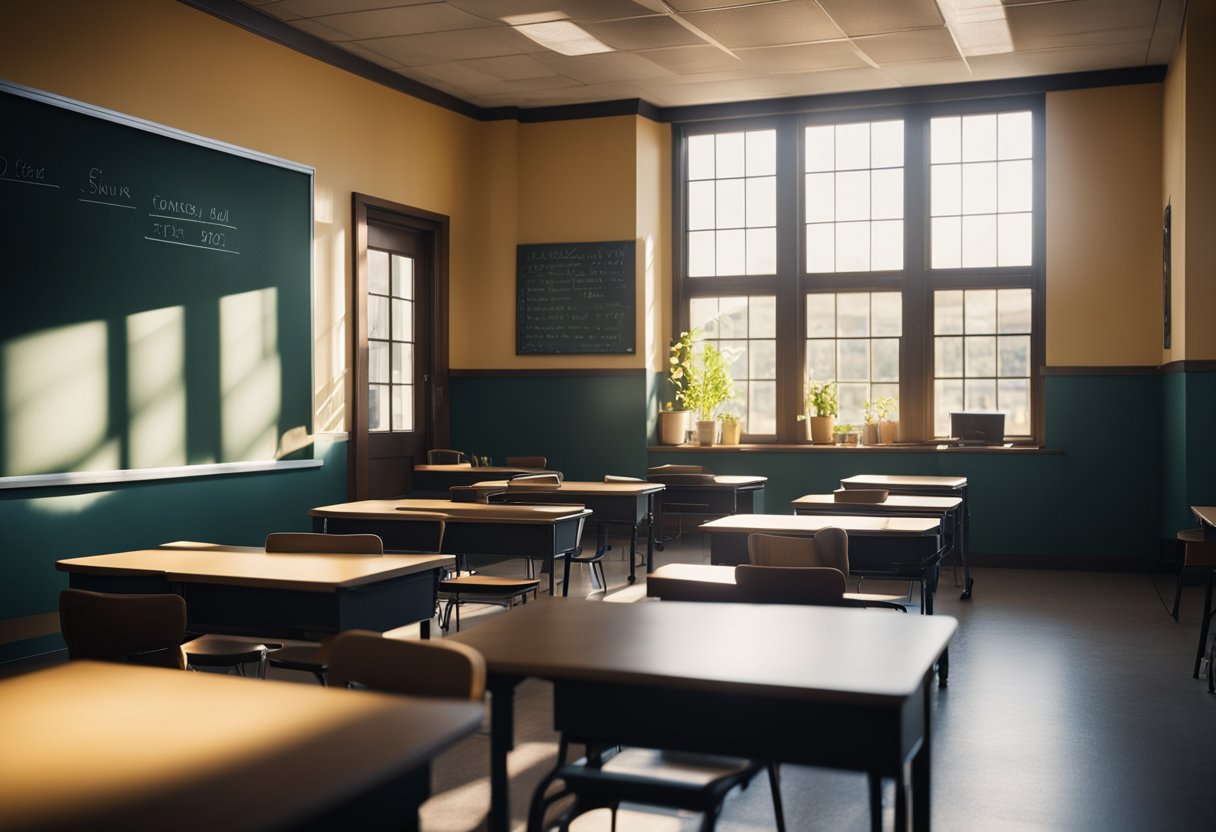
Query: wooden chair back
{"x":314,"y":543}
{"x":829,"y":547}
{"x":817,"y":585}
{"x":132,"y":628}
{"x":416,"y":668}
{"x":527,"y":462}
{"x":621,"y":478}
{"x":444,"y":456}
{"x":663,"y":470}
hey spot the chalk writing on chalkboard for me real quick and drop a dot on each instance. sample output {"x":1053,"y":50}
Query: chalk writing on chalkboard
{"x":575,"y":298}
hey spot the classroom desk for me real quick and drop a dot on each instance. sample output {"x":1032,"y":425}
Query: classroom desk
{"x":706,"y":582}
{"x":471,"y":529}
{"x":436,"y":480}
{"x":628,"y":504}
{"x":1206,"y":515}
{"x":241,"y":589}
{"x":930,"y":486}
{"x":727,"y":494}
{"x":947,"y":509}
{"x":91,"y":745}
{"x":806,"y":685}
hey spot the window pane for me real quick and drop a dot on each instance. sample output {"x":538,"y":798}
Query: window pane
{"x":732,"y":318}
{"x":700,"y":157}
{"x":852,"y":146}
{"x":377,"y":317}
{"x":948,"y":312}
{"x":980,"y":305}
{"x":729,"y":194}
{"x":1013,"y":397}
{"x":948,"y":357}
{"x":1014,"y":136}
{"x":729,"y":157}
{"x":820,"y":197}
{"x":946,"y":190}
{"x":887,"y":144}
{"x":979,"y":241}
{"x":1013,"y":355}
{"x":980,"y":358}
{"x":761,"y":201}
{"x":947,"y":396}
{"x":820,"y":148}
{"x":763,"y":360}
{"x":945,"y":140}
{"x":762,"y":153}
{"x":821,"y":315}
{"x":887,"y":194}
{"x":884,"y":358}
{"x":979,"y":188}
{"x":820,"y":248}
{"x":1014,"y":186}
{"x":979,"y":138}
{"x":1014,"y":244}
{"x":853,"y":195}
{"x":377,"y":362}
{"x":403,"y":363}
{"x":762,"y":318}
{"x":946,"y":242}
{"x":762,"y":251}
{"x":377,"y":271}
{"x":703,"y":314}
{"x":700,"y":253}
{"x":737,"y":359}
{"x":821,"y":359}
{"x":979,"y":394}
{"x":761,"y":407}
{"x":1013,"y":310}
{"x":851,"y":399}
{"x":887,"y":245}
{"x":403,"y":276}
{"x":701,"y":205}
{"x":853,"y":359}
{"x":377,"y":407}
{"x":852,"y":246}
{"x":852,"y":315}
{"x":401,"y":415}
{"x":886,"y":314}
{"x":402,"y":320}
{"x":730,"y":252}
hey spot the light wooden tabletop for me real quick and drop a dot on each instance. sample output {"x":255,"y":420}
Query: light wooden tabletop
{"x":464,"y":512}
{"x":896,"y":481}
{"x":490,"y":470}
{"x":193,"y":562}
{"x":574,"y":487}
{"x":107,"y":746}
{"x":797,"y":524}
{"x":897,"y":502}
{"x":1205,"y":514}
{"x":822,"y":654}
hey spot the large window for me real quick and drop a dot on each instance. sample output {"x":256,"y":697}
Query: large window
{"x":897,"y":252}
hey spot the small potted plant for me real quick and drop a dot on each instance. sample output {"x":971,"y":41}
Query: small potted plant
{"x":822,"y":407}
{"x":732,"y":429}
{"x":673,"y":424}
{"x":709,"y":387}
{"x":845,"y":435}
{"x":888,"y":428}
{"x":869,"y":430}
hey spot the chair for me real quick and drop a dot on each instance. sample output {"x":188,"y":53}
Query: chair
{"x":662,"y":470}
{"x":415,"y":668}
{"x":444,"y":456}
{"x":470,"y":587}
{"x":143,"y":629}
{"x":829,"y":547}
{"x":1196,"y":552}
{"x":312,"y":658}
{"x":527,"y":462}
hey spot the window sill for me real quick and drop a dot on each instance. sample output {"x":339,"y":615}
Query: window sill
{"x":908,"y":448}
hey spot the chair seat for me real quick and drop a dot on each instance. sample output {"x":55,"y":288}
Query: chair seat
{"x":307,"y":657}
{"x":488,"y":585}
{"x":218,"y":651}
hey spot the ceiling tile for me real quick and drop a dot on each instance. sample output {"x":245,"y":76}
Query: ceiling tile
{"x":802,"y":57}
{"x":438,"y":47}
{"x":1034,"y":23}
{"x":560,"y":9}
{"x":511,"y":67}
{"x":883,"y":15}
{"x":917,"y":45}
{"x":319,"y":30}
{"x":403,"y":20}
{"x":927,"y":73}
{"x":315,"y":8}
{"x":693,"y":60}
{"x":370,"y":54}
{"x":603,"y":68}
{"x":702,"y":5}
{"x":652,"y":32}
{"x":771,"y":24}
{"x":831,"y":81}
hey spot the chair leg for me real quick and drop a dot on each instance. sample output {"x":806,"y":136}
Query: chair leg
{"x":875,"y":783}
{"x":565,"y":576}
{"x":1207,"y":622}
{"x":774,"y":782}
{"x":1178,"y":592}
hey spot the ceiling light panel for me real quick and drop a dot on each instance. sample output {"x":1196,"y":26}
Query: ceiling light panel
{"x":563,"y":37}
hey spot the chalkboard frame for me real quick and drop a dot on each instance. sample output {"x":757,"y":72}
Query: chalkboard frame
{"x":94,"y":477}
{"x":624,"y":285}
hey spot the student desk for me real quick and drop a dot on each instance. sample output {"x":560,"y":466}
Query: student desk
{"x":948,"y":509}
{"x":471,"y":529}
{"x":436,"y":480}
{"x":1206,"y":515}
{"x":706,"y":582}
{"x":727,"y":494}
{"x":627,"y":504}
{"x":91,"y":745}
{"x":806,"y":685}
{"x":932,"y":486}
{"x":240,"y":589}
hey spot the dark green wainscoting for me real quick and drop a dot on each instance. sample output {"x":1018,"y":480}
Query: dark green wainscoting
{"x":587,"y":424}
{"x":38,"y":527}
{"x":1188,"y":447}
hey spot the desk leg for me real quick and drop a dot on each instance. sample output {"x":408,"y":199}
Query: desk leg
{"x":921,"y":765}
{"x":928,"y":593}
{"x":963,"y":533}
{"x":502,"y":740}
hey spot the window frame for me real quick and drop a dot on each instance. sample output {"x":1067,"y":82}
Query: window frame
{"x":916,"y":282}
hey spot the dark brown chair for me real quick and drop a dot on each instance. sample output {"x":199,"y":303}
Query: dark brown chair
{"x":415,"y":668}
{"x":829,"y":547}
{"x":143,"y":629}
{"x":444,"y":456}
{"x":815,"y":585}
{"x":538,"y":462}
{"x":1196,"y":552}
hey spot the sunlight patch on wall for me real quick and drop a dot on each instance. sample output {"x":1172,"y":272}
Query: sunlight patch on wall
{"x":69,"y":504}
{"x":55,"y":401}
{"x":156,"y":389}
{"x":653,"y":355}
{"x":250,"y":375}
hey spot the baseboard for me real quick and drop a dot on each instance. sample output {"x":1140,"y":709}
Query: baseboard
{"x":1072,"y":563}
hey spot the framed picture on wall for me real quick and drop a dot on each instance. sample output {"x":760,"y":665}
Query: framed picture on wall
{"x":1165,"y":274}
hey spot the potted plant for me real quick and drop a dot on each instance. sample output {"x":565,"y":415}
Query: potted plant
{"x":709,"y":387}
{"x":673,"y":424}
{"x":869,"y":430}
{"x":845,"y":435}
{"x":732,"y":429}
{"x":888,"y":428}
{"x":822,"y":407}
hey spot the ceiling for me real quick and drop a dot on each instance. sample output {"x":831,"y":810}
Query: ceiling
{"x":674,"y":53}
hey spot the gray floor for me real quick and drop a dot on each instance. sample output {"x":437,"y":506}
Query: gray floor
{"x":1070,"y":707}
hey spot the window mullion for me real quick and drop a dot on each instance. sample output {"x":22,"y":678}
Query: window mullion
{"x":914,"y":376}
{"x":791,"y":323}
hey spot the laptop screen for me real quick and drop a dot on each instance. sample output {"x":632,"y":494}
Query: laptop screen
{"x":978,"y":428}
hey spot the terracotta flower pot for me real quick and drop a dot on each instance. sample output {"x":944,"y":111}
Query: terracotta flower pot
{"x":822,"y":429}
{"x":888,"y":431}
{"x":869,"y":434}
{"x":673,"y":427}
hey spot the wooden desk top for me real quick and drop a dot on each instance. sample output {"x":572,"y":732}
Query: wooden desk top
{"x":191,"y":562}
{"x":893,"y":503}
{"x":808,"y":524}
{"x":724,"y":482}
{"x":823,"y":653}
{"x":897,"y":481}
{"x":464,"y":512}
{"x":489,"y":470}
{"x":107,"y":746}
{"x":1205,"y":514}
{"x":717,"y":575}
{"x":572,"y":487}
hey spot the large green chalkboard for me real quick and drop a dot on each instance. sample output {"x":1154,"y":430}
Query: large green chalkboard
{"x":158,"y":293}
{"x":575,"y":298}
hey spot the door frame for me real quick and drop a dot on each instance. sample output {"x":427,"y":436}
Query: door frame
{"x":366,"y":208}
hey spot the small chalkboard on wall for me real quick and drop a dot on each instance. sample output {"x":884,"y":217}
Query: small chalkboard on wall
{"x":573,"y":298}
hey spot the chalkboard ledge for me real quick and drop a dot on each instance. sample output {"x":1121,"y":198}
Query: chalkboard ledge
{"x":139,"y":474}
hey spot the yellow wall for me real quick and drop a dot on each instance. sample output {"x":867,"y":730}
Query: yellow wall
{"x":1200,"y":167}
{"x":654,"y":238}
{"x":1104,"y":226}
{"x":1173,"y":193}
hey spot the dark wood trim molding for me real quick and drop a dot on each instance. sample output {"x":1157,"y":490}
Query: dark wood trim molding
{"x":276,"y":30}
{"x":1197,"y":366}
{"x":551,"y":372}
